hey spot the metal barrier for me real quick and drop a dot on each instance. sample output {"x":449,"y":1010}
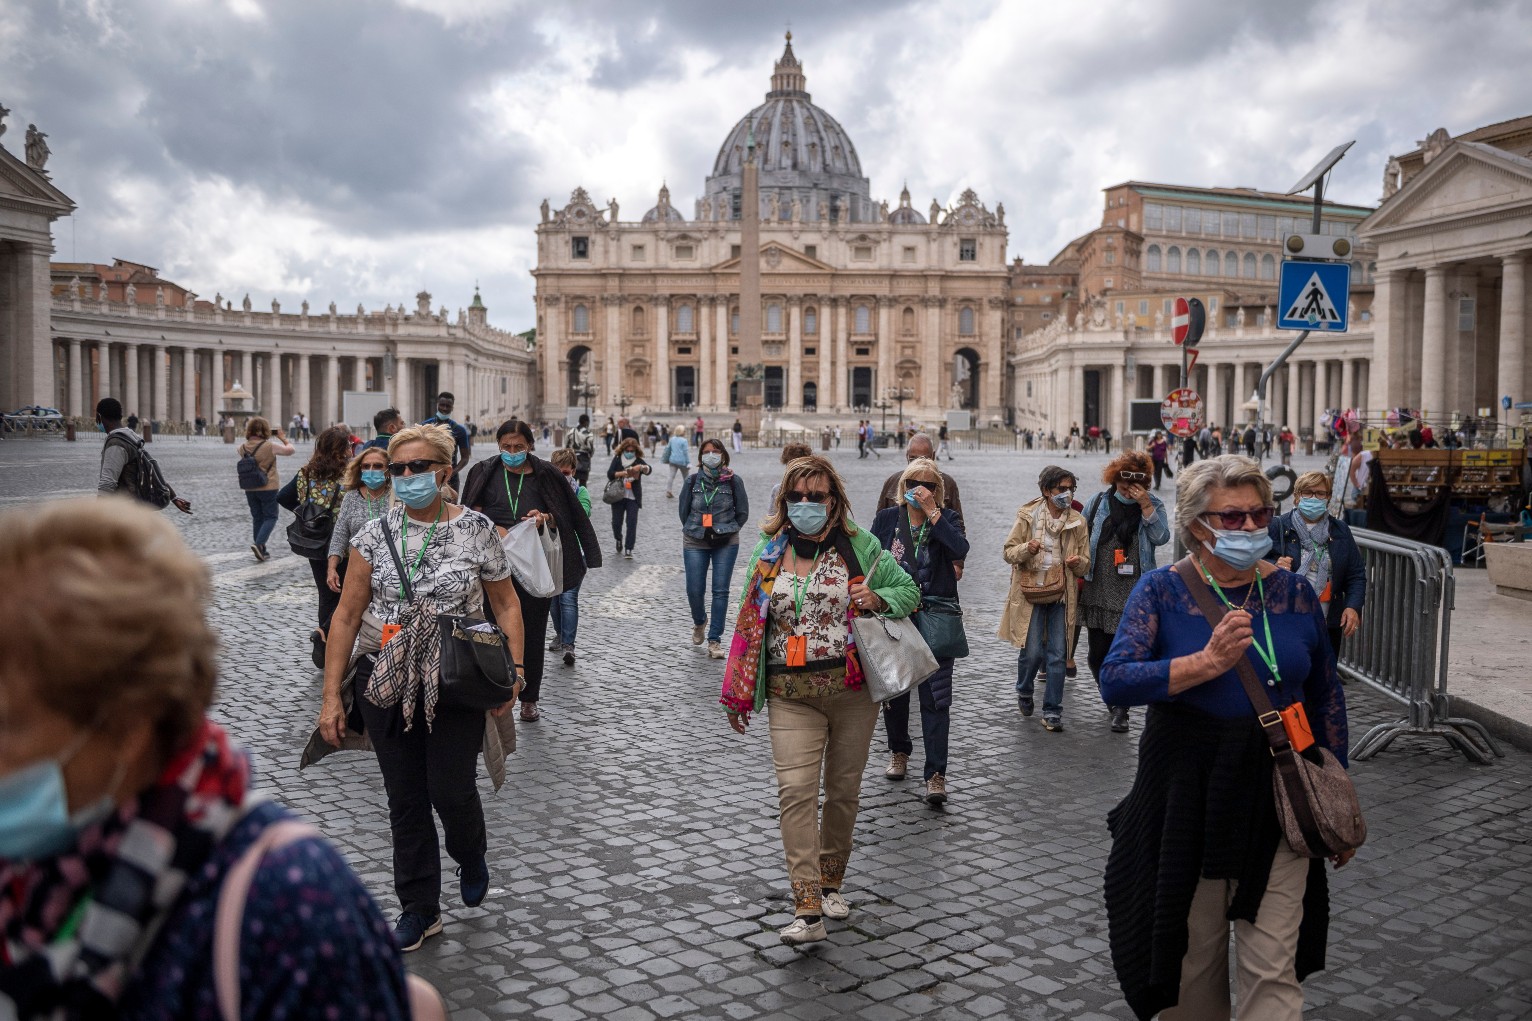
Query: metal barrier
{"x":1402,"y":651}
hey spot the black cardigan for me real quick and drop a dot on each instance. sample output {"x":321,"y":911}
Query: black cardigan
{"x":1201,"y":806}
{"x":638,"y":480}
{"x":569,"y":518}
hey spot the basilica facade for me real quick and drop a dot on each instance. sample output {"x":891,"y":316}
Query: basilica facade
{"x":862,"y":302}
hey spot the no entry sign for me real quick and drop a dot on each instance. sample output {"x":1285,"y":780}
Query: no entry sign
{"x":1180,"y":320}
{"x":1181,"y":412}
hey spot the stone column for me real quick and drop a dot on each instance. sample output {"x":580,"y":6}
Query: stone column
{"x":1213,"y":398}
{"x":130,"y":395}
{"x":217,"y":384}
{"x":794,"y":395}
{"x":330,"y":408}
{"x":189,"y":385}
{"x":1348,"y":384}
{"x":159,"y":383}
{"x":704,"y":326}
{"x":1390,"y":344}
{"x":1076,"y":402}
{"x":402,"y":396}
{"x":614,"y":368}
{"x":240,"y":366}
{"x":1511,"y":375}
{"x":662,"y":389}
{"x":724,"y":361}
{"x":1306,"y":374}
{"x":931,"y":364}
{"x":1433,"y":348}
{"x":74,"y":377}
{"x":887,"y":377}
{"x":1115,"y":416}
{"x":303,"y":403}
{"x":111,"y":380}
{"x":842,"y":363}
{"x":992,"y":369}
{"x":825,"y":380}
{"x":1291,"y":387}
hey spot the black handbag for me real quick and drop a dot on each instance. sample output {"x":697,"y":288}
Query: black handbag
{"x":476,"y":668}
{"x":940,"y":620}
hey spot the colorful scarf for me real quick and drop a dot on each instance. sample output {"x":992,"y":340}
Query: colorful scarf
{"x":75,"y":926}
{"x":742,"y":673}
{"x":411,"y":662}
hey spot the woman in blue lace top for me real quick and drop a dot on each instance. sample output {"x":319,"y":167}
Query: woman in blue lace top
{"x":1197,"y":843}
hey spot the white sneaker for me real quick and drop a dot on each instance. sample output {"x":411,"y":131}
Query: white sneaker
{"x":835,"y":906}
{"x":699,"y":632}
{"x":715,"y":651}
{"x":802,"y":932}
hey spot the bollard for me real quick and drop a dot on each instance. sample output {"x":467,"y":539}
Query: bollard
{"x":69,"y":431}
{"x":148,"y":432}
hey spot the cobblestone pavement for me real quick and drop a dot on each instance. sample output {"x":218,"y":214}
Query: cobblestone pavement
{"x":637,"y":870}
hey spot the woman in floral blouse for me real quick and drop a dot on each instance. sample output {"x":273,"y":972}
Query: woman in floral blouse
{"x":793,"y":646}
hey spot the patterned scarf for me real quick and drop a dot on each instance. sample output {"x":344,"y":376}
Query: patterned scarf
{"x":742,"y":673}
{"x":411,"y":662}
{"x":1314,"y":540}
{"x":75,"y":926}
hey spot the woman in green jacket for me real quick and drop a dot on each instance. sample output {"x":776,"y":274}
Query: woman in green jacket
{"x":793,"y":649}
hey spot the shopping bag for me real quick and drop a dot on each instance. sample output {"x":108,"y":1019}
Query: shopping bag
{"x":529,"y":564}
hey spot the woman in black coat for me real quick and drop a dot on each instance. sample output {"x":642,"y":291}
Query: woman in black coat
{"x":513,"y":487}
{"x":927,"y":540}
{"x":629,"y":466}
{"x":1310,"y":542}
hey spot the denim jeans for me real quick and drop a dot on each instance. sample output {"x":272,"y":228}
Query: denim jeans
{"x":263,"y":513}
{"x":1044,"y":650}
{"x":697,"y":562}
{"x":566,"y":615}
{"x":935,"y":702}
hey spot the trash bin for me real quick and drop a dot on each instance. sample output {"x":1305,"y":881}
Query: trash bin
{"x":148,"y":432}
{"x":69,"y":431}
{"x":228,"y":434}
{"x":824,"y":440}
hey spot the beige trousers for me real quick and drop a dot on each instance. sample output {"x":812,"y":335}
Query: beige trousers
{"x":1264,"y":951}
{"x":808,"y":736}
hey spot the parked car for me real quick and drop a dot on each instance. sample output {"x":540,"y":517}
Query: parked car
{"x":35,"y":416}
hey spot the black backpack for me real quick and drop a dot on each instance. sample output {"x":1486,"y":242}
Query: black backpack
{"x":251,"y":474}
{"x":309,"y":532}
{"x":141,"y":476}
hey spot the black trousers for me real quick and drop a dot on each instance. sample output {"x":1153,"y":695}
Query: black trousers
{"x":425,"y":770}
{"x":328,"y":600}
{"x":627,"y":511}
{"x":534,"y":629}
{"x":1161,"y":470}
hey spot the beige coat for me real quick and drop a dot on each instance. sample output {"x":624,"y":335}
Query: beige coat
{"x":1074,"y":541}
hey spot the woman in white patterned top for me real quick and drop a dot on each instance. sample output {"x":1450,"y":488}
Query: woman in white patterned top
{"x":427,"y":751}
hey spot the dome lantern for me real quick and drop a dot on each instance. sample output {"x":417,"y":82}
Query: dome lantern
{"x":787,"y":78}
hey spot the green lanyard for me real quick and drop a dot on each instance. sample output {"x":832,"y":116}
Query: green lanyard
{"x":918,"y":535}
{"x":707,"y":496}
{"x":800,"y":590}
{"x":374,"y":507}
{"x":1269,"y":654}
{"x":404,"y":546}
{"x":515,"y":502}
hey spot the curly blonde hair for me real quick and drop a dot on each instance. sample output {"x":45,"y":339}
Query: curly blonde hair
{"x":103,"y":600}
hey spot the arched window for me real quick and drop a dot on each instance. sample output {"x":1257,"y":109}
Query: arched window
{"x":1193,"y":261}
{"x":810,"y":321}
{"x":734,"y":320}
{"x":1268,"y":267}
{"x":863,"y":322}
{"x":1152,"y":259}
{"x":638,"y":319}
{"x":581,"y":319}
{"x":1230,"y":264}
{"x":965,"y":321}
{"x":1213,"y":264}
{"x":907,"y":320}
{"x":1173,"y":260}
{"x":773,"y":318}
{"x":1249,"y":266}
{"x":685,"y":320}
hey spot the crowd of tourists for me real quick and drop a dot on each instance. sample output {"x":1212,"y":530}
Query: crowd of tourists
{"x":442,"y":584}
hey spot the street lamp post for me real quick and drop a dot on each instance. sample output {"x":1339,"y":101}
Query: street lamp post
{"x":883,"y":406}
{"x":587,"y":392}
{"x":898,"y":394}
{"x":622,"y":400}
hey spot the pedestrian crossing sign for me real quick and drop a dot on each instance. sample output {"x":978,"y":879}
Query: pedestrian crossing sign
{"x":1314,"y":296}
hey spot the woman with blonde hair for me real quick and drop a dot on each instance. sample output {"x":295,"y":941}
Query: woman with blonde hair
{"x":678,"y":454}
{"x":124,"y":808}
{"x":263,"y":445}
{"x":794,"y":650}
{"x":367,"y":496}
{"x":445,"y":558}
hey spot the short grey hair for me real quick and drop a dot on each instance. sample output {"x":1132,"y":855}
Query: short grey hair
{"x":1198,"y":481}
{"x":921,"y":438}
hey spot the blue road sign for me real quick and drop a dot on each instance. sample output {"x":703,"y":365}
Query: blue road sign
{"x":1313,"y":296}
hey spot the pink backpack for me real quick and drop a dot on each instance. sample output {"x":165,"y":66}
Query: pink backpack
{"x":425,"y":1002}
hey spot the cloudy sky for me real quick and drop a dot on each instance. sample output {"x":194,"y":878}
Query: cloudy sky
{"x":360,"y":151}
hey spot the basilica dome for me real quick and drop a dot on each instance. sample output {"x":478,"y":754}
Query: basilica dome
{"x":663,"y":211}
{"x":803,"y":153}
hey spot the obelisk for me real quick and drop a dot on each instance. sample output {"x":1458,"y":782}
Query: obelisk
{"x":749,"y":373}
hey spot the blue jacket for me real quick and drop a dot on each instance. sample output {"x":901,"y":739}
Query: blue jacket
{"x":1151,"y":534}
{"x":1348,"y":571}
{"x":678,"y":452}
{"x":949,"y":546}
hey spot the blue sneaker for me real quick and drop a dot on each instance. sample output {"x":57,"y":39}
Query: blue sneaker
{"x":412,"y":929}
{"x":473,"y":882}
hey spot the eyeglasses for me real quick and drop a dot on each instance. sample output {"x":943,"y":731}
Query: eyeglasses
{"x":1064,"y":489}
{"x":1233,"y":520}
{"x":419,"y":466}
{"x":1322,"y":494}
{"x":795,"y":497}
{"x":1133,"y":476}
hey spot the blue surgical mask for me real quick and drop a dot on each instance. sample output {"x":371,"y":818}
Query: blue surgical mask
{"x":912,"y":497}
{"x":1123,"y":499}
{"x":1313,"y":507}
{"x":629,"y":458}
{"x":34,"y":808}
{"x":1238,"y":548}
{"x":513,"y":460}
{"x":808,"y":518}
{"x":712,"y":460}
{"x":373,"y":478}
{"x":416,"y":491}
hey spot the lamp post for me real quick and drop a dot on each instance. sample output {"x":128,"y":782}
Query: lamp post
{"x":898,"y":394}
{"x":587,"y":392}
{"x":883,"y":406}
{"x":622,"y":400}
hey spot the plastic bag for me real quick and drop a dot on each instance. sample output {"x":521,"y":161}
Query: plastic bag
{"x":529,"y":564}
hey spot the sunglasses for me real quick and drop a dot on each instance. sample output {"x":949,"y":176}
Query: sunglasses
{"x":1133,"y":476}
{"x":929,"y":487}
{"x":1233,"y":520}
{"x":419,"y":466}
{"x":796,"y":497}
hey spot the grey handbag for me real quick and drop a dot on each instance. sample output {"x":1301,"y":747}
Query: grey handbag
{"x":894,"y":656}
